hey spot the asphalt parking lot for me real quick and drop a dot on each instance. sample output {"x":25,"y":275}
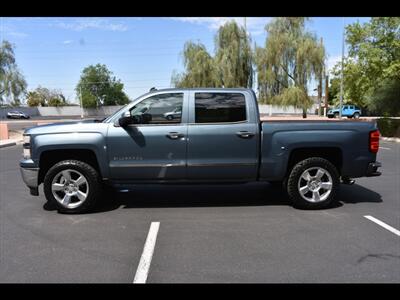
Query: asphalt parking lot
{"x":229,"y":234}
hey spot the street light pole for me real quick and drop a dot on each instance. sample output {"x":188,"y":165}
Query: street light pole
{"x":341,"y":76}
{"x":80,"y":94}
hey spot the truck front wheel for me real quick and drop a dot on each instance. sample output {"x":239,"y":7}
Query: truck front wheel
{"x":313,"y":183}
{"x":72,"y":186}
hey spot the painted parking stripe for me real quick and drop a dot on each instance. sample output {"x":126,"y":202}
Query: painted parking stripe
{"x":148,"y":250}
{"x":384,"y":225}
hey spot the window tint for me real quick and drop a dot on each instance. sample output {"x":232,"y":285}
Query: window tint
{"x":159,"y":109}
{"x":219,"y":107}
{"x":345,"y":107}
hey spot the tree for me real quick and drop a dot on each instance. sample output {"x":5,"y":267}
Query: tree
{"x":200,"y":68}
{"x":42,"y":96}
{"x":230,"y":67}
{"x":372,"y":68}
{"x":234,"y":56}
{"x":292,"y":57}
{"x":98,"y":87}
{"x":12,"y":82}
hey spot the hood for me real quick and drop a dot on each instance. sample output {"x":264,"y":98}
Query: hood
{"x":67,"y":127}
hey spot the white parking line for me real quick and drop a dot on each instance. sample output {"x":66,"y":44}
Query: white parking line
{"x":384,"y":148}
{"x":384,"y":225}
{"x":148,"y":250}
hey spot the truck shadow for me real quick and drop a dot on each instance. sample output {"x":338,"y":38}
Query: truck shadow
{"x":252,"y":194}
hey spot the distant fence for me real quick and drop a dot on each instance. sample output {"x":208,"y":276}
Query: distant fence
{"x":108,"y":110}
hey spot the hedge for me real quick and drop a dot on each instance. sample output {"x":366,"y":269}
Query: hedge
{"x":389,"y":127}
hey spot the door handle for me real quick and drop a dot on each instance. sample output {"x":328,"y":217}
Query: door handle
{"x":174,"y":135}
{"x":245,"y":134}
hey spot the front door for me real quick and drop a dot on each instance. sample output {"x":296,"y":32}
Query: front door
{"x":154,"y":149}
{"x":223,"y":137}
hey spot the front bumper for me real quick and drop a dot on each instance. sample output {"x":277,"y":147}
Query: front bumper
{"x":372,"y":169}
{"x":30,"y":177}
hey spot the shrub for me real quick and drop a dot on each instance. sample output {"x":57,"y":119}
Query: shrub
{"x":389,"y":127}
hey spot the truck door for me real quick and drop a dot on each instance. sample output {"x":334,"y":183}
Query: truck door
{"x":155,"y":149}
{"x":223,"y":136}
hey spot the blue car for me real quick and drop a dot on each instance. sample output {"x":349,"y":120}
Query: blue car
{"x":350,"y":111}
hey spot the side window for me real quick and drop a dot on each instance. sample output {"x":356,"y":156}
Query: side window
{"x":219,"y":107}
{"x":159,"y":109}
{"x":351,"y":107}
{"x":345,"y":107}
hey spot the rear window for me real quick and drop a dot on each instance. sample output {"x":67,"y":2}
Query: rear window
{"x":219,"y":107}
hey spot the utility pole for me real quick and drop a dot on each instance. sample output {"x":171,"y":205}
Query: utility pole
{"x":320,"y":88}
{"x":341,"y":76}
{"x":80,"y":94}
{"x":326,"y":94}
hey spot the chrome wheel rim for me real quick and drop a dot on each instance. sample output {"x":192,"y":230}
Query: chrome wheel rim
{"x":315,"y":184}
{"x":70,"y":188}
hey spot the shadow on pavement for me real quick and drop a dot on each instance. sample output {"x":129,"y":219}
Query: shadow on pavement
{"x":260,"y":194}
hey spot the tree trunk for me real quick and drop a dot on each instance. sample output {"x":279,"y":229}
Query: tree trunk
{"x":304,"y":113}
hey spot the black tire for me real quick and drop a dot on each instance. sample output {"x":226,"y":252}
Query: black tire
{"x":356,"y":115}
{"x":92,"y":177}
{"x":293,"y":181}
{"x":170,"y":118}
{"x":336,"y":115}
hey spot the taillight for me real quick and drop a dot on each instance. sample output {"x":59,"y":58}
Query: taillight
{"x":374,"y":141}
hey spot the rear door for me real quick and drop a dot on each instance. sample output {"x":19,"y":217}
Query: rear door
{"x":223,"y":136}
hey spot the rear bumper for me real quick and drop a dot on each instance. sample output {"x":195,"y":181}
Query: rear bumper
{"x":372,"y":169}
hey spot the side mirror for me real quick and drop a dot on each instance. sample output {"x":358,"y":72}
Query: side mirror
{"x":125,"y":119}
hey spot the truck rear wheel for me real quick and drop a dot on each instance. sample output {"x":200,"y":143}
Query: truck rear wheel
{"x":313,"y":183}
{"x":72,"y":186}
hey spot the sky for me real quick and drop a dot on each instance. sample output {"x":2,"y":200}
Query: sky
{"x":141,"y":51}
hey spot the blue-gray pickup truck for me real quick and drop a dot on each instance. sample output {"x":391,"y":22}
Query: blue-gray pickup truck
{"x":215,"y":135}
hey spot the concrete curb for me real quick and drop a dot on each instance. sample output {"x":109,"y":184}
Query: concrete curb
{"x":11,"y":143}
{"x":391,"y":139}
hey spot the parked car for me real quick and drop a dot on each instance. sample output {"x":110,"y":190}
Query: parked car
{"x":176,"y":113}
{"x":218,"y":138}
{"x":17,"y":115}
{"x":349,"y":111}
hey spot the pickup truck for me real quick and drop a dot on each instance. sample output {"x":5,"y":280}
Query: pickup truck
{"x":217,"y":138}
{"x":349,"y":111}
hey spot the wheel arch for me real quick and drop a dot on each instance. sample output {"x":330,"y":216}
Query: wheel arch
{"x":332,"y":154}
{"x":49,"y":158}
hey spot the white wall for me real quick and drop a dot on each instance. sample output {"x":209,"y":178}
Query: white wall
{"x":108,"y":110}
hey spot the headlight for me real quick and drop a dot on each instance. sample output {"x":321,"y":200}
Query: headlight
{"x":27,"y":139}
{"x":27,"y":147}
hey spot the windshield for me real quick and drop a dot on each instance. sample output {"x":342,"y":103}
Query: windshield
{"x":110,"y":116}
{"x":119,"y":110}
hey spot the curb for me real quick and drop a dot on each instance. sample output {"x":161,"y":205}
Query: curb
{"x":391,"y":139}
{"x":9,"y":144}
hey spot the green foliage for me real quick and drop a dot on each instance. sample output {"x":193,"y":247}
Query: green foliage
{"x":231,"y":66}
{"x":45,"y":97}
{"x":372,"y":70}
{"x":293,"y":96}
{"x":389,"y":127}
{"x":199,"y":66}
{"x":233,"y":56}
{"x":292,"y":57}
{"x":12,"y":82}
{"x":386,"y":98}
{"x":98,"y":87}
